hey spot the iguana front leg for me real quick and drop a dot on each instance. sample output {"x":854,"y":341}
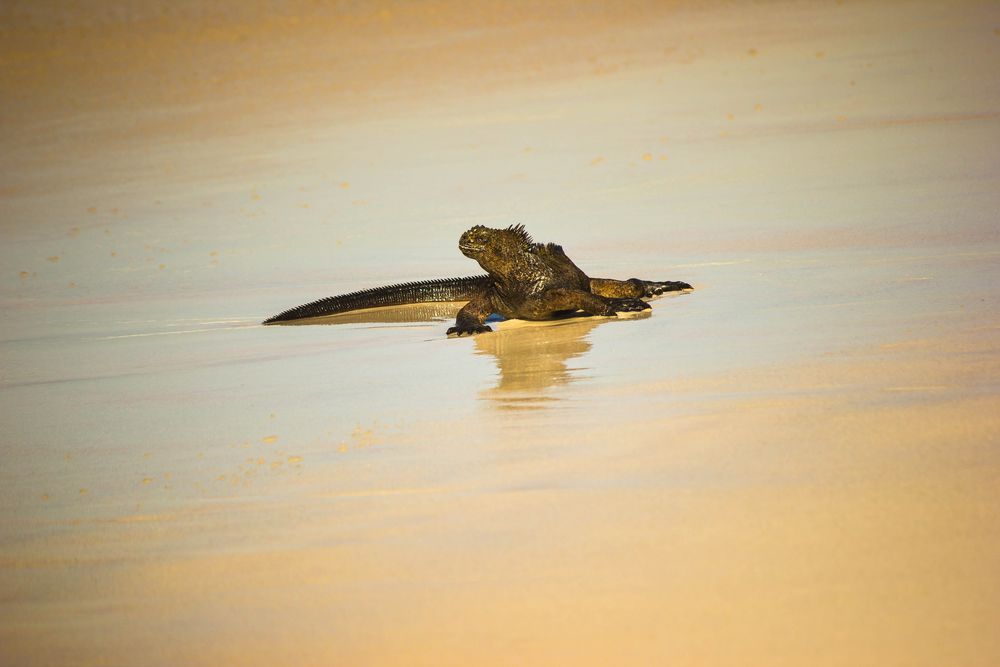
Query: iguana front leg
{"x":471,"y":319}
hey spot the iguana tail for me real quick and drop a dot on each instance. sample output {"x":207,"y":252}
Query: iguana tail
{"x":425,"y":291}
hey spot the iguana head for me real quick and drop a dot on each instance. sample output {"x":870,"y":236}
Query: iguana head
{"x":498,"y":251}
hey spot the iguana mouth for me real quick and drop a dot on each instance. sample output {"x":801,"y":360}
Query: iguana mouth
{"x":469,"y":247}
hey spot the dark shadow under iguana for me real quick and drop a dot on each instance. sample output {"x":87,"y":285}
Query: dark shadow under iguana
{"x":525,"y":280}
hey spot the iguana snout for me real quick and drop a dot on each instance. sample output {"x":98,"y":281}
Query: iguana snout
{"x":474,"y":241}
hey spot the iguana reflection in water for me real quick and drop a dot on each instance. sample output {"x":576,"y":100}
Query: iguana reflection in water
{"x":531,"y":357}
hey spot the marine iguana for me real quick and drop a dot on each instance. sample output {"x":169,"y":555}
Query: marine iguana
{"x":524,"y":280}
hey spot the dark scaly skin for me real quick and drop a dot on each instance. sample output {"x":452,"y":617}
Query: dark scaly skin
{"x":534,"y":281}
{"x":525,"y":280}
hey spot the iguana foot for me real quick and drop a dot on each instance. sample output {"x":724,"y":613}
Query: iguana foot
{"x":627,"y":306}
{"x":654,"y":288}
{"x":468,"y":330}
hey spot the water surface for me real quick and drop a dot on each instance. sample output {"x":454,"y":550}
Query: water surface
{"x":796,"y":463}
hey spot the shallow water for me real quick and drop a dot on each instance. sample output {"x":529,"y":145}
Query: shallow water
{"x":796,"y":463}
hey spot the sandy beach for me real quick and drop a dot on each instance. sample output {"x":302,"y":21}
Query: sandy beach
{"x":796,"y":463}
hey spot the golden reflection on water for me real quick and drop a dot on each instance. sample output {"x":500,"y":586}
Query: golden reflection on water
{"x":418,"y":312}
{"x":531,"y":357}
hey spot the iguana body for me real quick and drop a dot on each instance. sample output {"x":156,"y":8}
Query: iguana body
{"x":524,"y":280}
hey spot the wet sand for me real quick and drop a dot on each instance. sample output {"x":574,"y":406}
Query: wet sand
{"x":796,"y":463}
